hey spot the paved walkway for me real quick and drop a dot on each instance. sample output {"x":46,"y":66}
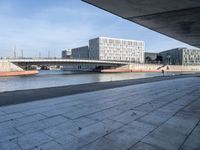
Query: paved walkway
{"x":152,"y":116}
{"x":21,"y":96}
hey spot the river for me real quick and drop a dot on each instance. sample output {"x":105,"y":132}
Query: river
{"x":61,"y":78}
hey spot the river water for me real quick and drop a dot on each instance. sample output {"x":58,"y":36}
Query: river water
{"x":61,"y":78}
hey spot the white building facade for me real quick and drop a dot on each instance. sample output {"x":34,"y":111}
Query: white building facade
{"x":104,"y":48}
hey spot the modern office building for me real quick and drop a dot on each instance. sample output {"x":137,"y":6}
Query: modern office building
{"x":80,"y":53}
{"x":104,"y":48}
{"x":181,"y":56}
{"x":66,"y":54}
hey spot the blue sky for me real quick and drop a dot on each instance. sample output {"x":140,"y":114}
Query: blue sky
{"x":53,"y":25}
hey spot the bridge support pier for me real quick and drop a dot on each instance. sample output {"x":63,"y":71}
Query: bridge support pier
{"x":6,"y":66}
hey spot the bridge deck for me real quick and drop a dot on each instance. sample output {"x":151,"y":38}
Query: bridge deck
{"x":159,"y":115}
{"x":63,"y":61}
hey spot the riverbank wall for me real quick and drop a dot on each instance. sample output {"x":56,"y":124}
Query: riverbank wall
{"x":18,"y":73}
{"x":9,"y":69}
{"x":22,"y":96}
{"x":178,"y":68}
{"x":6,"y":66}
{"x":133,"y":67}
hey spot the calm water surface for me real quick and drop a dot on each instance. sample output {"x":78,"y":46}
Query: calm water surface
{"x":61,"y":78}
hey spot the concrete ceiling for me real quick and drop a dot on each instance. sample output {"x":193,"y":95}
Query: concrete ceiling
{"x":179,"y":19}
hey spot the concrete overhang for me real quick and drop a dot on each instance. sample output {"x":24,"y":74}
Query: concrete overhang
{"x":179,"y":19}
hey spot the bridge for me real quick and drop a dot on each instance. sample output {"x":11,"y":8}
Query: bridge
{"x":65,"y":61}
{"x":69,"y":64}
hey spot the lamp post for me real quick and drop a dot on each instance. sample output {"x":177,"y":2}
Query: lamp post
{"x":129,"y":59}
{"x":168,"y":58}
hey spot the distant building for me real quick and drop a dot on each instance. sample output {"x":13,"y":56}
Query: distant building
{"x":181,"y":56}
{"x":150,"y":57}
{"x":66,"y":54}
{"x":80,"y":52}
{"x":103,"y":48}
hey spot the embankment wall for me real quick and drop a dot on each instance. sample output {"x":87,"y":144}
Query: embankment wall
{"x":6,"y":66}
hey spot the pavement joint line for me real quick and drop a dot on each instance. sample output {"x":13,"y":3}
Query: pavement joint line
{"x":62,"y":103}
{"x":97,"y":111}
{"x":23,"y":96}
{"x":103,"y":135}
{"x":147,"y":112}
{"x":125,"y":124}
{"x":189,"y":135}
{"x":53,"y":139}
{"x":17,"y":142}
{"x":17,"y":131}
{"x":164,"y":122}
{"x":102,"y":109}
{"x":175,"y":99}
{"x":94,"y":112}
{"x":149,"y":145}
{"x":188,"y":100}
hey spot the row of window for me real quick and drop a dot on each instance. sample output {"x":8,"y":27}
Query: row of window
{"x":122,"y":58}
{"x":120,"y":42}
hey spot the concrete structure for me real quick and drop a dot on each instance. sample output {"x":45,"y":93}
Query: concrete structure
{"x":150,"y":57}
{"x":104,"y":48}
{"x":68,"y":64}
{"x":91,"y":65}
{"x":63,"y":61}
{"x":80,"y":53}
{"x":181,"y":56}
{"x":6,"y":66}
{"x":178,"y":19}
{"x":151,"y":116}
{"x":66,"y":54}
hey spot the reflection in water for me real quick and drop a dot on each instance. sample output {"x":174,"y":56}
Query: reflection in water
{"x":60,"y":78}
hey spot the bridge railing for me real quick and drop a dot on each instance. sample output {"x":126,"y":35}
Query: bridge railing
{"x":35,"y":60}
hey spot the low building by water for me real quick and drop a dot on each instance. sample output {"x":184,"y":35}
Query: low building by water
{"x":181,"y":56}
{"x":151,"y":57}
{"x":80,"y":53}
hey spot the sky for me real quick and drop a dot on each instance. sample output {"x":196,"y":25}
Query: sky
{"x":42,"y":26}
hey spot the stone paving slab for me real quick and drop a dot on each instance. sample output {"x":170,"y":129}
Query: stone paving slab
{"x":193,"y":140}
{"x":129,"y":134}
{"x":30,"y":141}
{"x":155,"y":118}
{"x":21,"y":96}
{"x":9,"y":145}
{"x":163,"y":115}
{"x":145,"y":146}
{"x":52,"y":145}
{"x":8,"y":134}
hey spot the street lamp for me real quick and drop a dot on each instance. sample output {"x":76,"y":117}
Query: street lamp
{"x":168,"y":58}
